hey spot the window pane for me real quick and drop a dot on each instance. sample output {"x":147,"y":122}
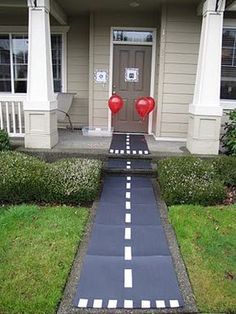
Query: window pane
{"x":134,"y":36}
{"x":20,"y":48}
{"x":20,"y":61}
{"x":228,"y":89}
{"x":227,"y":56}
{"x":20,"y":86}
{"x":57,"y":86}
{"x":5,"y":68}
{"x":228,"y":38}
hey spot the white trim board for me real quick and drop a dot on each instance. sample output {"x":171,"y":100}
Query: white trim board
{"x":228,"y":104}
{"x":153,"y":65}
{"x":169,"y":139}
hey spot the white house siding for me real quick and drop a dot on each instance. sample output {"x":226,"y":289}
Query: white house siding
{"x":180,"y":44}
{"x":78,"y":69}
{"x":102,"y":24}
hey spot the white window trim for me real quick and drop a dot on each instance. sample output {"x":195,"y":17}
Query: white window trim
{"x":22,"y":30}
{"x":228,"y":104}
{"x":153,"y":64}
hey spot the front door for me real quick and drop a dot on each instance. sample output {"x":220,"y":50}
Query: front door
{"x":131,"y":80}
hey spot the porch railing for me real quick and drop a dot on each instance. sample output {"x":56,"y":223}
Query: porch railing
{"x":12,"y":118}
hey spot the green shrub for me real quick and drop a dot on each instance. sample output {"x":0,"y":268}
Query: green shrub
{"x":229,"y":138}
{"x":75,"y":180}
{"x":225,"y":166}
{"x":25,"y":178}
{"x":22,"y":178}
{"x":4,"y":141}
{"x":190,"y":180}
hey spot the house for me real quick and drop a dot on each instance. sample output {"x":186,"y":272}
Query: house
{"x":170,"y":50}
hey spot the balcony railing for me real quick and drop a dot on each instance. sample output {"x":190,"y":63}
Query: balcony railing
{"x":12,"y":118}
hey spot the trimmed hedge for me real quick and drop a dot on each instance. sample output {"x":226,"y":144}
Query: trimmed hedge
{"x":79,"y":179}
{"x":4,"y":141}
{"x":225,"y":167}
{"x":25,"y":178}
{"x":190,"y":180}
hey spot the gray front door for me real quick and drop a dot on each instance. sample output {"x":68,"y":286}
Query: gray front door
{"x":131,"y":63}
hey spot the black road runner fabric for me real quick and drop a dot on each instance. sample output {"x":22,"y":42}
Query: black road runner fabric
{"x":128,"y":262}
{"x":129,"y":144}
{"x":126,"y":164}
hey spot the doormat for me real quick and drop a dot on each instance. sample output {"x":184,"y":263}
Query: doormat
{"x":129,"y":144}
{"x":128,"y":263}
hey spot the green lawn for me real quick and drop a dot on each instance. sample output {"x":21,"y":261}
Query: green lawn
{"x":207,"y":239}
{"x":37,"y":247}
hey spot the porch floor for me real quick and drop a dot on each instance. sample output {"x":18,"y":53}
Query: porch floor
{"x":75,"y":142}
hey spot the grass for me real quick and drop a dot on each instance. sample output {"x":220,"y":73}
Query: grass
{"x":37,"y":248}
{"x":207,"y":239}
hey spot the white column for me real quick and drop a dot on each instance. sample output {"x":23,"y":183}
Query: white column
{"x":205,"y":111}
{"x":40,"y":106}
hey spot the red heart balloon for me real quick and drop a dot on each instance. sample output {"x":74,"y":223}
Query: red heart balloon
{"x":151,"y":104}
{"x":142,"y":106}
{"x":115,"y":103}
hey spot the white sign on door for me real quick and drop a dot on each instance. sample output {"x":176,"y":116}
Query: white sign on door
{"x":131,"y":75}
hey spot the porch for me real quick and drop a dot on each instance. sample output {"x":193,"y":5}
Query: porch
{"x":79,"y":40}
{"x":74,"y":143}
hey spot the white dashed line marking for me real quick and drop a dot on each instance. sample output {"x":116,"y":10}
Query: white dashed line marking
{"x":127,"y":195}
{"x":116,"y":151}
{"x":145,"y":304}
{"x":128,"y":152}
{"x":128,"y":167}
{"x":134,"y":152}
{"x":140,"y":152}
{"x":160,"y":304}
{"x":146,"y":152}
{"x":128,"y":304}
{"x":174,"y":303}
{"x":111,"y":150}
{"x":128,"y":253}
{"x":83,"y":303}
{"x":127,"y":205}
{"x":128,"y":162}
{"x":128,"y":178}
{"x":112,"y":304}
{"x":128,"y":218}
{"x":97,"y":304}
{"x":127,"y":233}
{"x":128,"y":186}
{"x":128,"y":280}
{"x":122,"y":151}
{"x":127,"y":147}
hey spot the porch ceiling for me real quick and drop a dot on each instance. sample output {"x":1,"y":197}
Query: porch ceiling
{"x":75,"y":7}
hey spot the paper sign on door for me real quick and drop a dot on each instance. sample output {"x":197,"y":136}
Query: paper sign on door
{"x":131,"y":75}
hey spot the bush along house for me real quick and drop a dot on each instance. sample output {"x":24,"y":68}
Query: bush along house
{"x":181,"y":52}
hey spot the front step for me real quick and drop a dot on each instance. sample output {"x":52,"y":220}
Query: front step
{"x":130,"y":166}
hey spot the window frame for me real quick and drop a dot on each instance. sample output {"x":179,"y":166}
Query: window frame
{"x":23,"y":30}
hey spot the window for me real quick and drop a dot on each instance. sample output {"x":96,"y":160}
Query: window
{"x":14,"y":62}
{"x":228,"y":65}
{"x":132,"y":36}
{"x":5,"y":64}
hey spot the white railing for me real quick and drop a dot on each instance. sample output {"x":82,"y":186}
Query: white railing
{"x":12,"y":118}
